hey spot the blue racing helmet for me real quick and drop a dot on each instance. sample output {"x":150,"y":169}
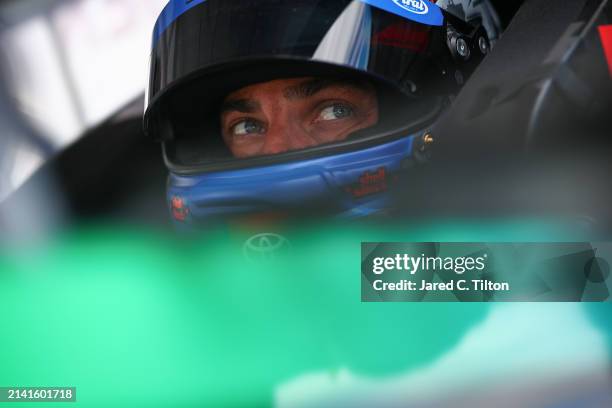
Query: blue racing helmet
{"x":413,"y":55}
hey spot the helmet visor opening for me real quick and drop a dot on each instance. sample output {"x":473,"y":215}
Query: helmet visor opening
{"x":318,"y":122}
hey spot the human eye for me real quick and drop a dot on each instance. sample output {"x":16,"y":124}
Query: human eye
{"x":247,"y":127}
{"x":335,"y":111}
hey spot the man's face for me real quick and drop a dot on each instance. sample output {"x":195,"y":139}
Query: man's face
{"x":292,"y":114}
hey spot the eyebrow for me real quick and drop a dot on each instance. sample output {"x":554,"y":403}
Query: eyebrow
{"x":313,"y":86}
{"x":240,"y":105}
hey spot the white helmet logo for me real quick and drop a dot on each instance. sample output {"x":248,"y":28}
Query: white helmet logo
{"x":413,"y":6}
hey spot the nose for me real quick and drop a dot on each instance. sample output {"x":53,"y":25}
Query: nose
{"x":276,"y":142}
{"x":284,"y":136}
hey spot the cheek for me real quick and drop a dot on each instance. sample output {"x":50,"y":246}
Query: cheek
{"x":371,"y":109}
{"x":373,"y":116}
{"x":328,"y":134}
{"x":336,"y":132}
{"x":245,"y":148}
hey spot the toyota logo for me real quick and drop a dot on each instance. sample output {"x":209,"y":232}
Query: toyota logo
{"x":266,"y":247}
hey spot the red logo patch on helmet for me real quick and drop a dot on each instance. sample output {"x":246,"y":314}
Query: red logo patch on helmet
{"x":406,"y":36}
{"x":370,"y":183}
{"x":179,"y":209}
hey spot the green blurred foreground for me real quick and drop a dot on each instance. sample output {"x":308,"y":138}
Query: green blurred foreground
{"x":136,"y":318}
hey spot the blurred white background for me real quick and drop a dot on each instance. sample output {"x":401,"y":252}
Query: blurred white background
{"x":67,"y":65}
